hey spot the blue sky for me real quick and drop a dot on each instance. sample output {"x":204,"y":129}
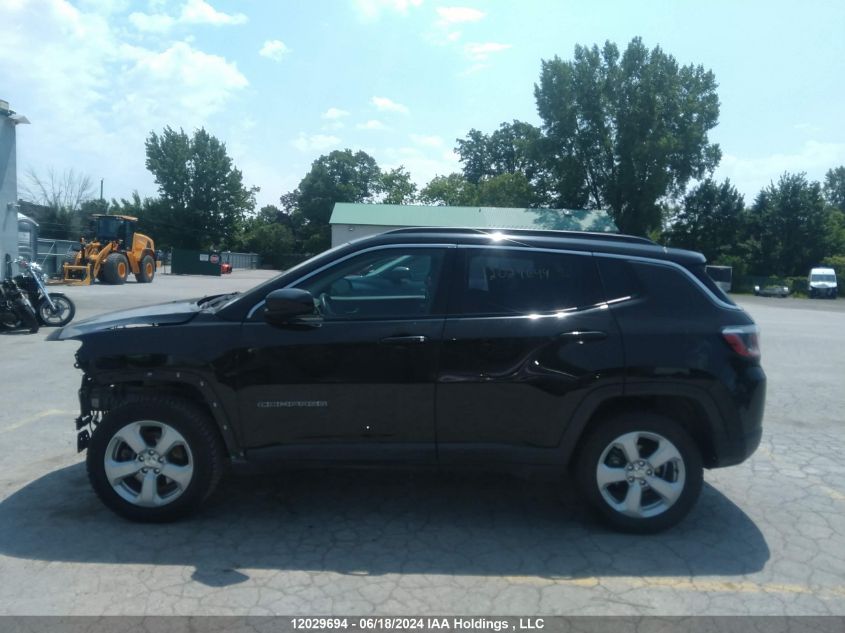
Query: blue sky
{"x":281,"y":82}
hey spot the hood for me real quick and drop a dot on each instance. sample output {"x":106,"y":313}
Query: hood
{"x":822,"y":284}
{"x":172,"y":313}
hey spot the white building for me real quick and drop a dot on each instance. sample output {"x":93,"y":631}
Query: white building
{"x":9,"y":121}
{"x":350,"y":221}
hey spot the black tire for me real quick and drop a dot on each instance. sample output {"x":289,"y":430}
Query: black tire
{"x":689,"y":467}
{"x":115,"y":269}
{"x":66,"y":310}
{"x":146,"y":270}
{"x":26,"y":315}
{"x":204,"y":447}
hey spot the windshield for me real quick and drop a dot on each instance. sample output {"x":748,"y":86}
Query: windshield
{"x":821,"y":277}
{"x":272,"y":283}
{"x":107,"y":228}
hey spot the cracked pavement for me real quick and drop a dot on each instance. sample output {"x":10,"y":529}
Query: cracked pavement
{"x":766,"y":538}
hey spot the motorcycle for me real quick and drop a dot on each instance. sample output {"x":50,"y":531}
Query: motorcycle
{"x":53,"y":309}
{"x":15,"y":309}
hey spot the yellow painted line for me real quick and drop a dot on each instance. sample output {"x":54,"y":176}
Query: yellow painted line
{"x":684,"y":584}
{"x":35,"y":418}
{"x":833,"y":494}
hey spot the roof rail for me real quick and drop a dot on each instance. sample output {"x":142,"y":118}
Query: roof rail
{"x":579,"y":235}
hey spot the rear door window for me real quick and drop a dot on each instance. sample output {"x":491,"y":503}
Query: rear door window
{"x":501,"y":281}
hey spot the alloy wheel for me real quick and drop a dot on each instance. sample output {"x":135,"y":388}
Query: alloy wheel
{"x":640,"y":474}
{"x":148,"y":463}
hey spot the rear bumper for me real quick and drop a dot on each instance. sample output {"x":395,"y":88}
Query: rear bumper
{"x":742,"y":413}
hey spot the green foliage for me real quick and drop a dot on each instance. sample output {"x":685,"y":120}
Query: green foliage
{"x":341,"y":176}
{"x":505,"y":190}
{"x":787,"y":224}
{"x":265,"y":235}
{"x":625,"y":132}
{"x":834,"y":187}
{"x":453,"y":190}
{"x":203,"y":198}
{"x":397,"y":187}
{"x":710,"y":220}
{"x":837,"y":262}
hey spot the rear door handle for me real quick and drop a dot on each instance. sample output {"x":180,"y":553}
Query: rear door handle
{"x":584,"y":336}
{"x":404,"y":340}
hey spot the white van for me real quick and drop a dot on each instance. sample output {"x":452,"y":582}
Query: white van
{"x":822,"y":283}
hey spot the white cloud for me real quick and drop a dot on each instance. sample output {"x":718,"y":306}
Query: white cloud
{"x":481,"y":51}
{"x":750,"y":175}
{"x":371,"y":10}
{"x":443,"y":32}
{"x":111,"y":93}
{"x":383,"y":104}
{"x":334,"y":113}
{"x":274,"y":49}
{"x":314,"y":142}
{"x":204,"y":81}
{"x":427,"y":141}
{"x":455,"y":15}
{"x":200,"y":12}
{"x":193,"y":12}
{"x":151,"y":23}
{"x":372,"y":124}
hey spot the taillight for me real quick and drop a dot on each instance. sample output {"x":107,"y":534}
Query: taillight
{"x":743,"y":339}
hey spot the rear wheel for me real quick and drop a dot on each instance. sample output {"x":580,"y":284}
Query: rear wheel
{"x":146,"y":270}
{"x":115,"y":269}
{"x":155,"y":459}
{"x":641,"y":472}
{"x":26,"y":315}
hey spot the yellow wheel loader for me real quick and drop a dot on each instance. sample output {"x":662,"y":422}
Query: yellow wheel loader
{"x":114,"y":250}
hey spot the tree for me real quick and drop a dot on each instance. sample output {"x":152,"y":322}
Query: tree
{"x":623,"y":133}
{"x":834,"y":187}
{"x":203,"y":198}
{"x":266,"y":234}
{"x":397,"y":187}
{"x":341,"y":176}
{"x":710,"y":220}
{"x":453,"y":190}
{"x":788,"y":225}
{"x":506,"y":190}
{"x":515,"y":149}
{"x":62,"y":202}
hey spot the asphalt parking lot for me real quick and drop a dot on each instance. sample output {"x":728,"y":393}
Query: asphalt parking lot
{"x":767,"y":537}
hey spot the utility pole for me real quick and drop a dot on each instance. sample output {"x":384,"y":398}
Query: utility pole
{"x":101,"y":194}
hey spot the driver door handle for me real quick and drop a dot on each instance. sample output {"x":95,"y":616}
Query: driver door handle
{"x":404,"y":340}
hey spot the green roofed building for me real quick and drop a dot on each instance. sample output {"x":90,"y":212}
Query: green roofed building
{"x":350,"y":221}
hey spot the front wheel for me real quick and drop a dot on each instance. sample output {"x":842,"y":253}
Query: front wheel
{"x":63,"y":314}
{"x":115,"y":269}
{"x":155,"y":459}
{"x":641,"y":472}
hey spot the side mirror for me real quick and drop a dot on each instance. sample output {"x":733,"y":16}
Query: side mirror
{"x":290,"y":306}
{"x":399,"y":274}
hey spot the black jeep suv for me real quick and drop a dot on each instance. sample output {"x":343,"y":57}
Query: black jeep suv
{"x":601,"y":353}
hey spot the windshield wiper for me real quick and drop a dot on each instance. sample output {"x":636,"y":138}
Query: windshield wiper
{"x":212,"y":301}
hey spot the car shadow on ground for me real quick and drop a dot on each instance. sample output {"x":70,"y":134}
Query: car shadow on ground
{"x":376,"y":522}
